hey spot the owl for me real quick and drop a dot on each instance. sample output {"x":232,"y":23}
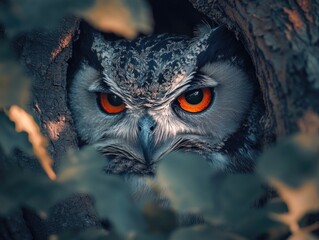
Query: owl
{"x":137,"y":100}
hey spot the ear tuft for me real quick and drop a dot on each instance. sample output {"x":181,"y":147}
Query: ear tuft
{"x":222,"y":45}
{"x":202,"y":30}
{"x":94,"y":49}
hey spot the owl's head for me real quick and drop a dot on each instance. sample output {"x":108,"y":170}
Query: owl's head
{"x":137,"y":100}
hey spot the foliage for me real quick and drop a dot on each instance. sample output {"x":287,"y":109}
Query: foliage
{"x":14,"y":84}
{"x":230,"y":204}
{"x":126,"y":17}
{"x":225,"y":201}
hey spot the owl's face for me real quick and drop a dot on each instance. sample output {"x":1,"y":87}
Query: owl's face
{"x":136,"y":101}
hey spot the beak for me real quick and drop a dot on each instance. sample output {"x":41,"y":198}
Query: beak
{"x":146,"y":127}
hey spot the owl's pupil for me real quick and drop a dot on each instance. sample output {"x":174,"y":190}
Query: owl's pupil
{"x":114,"y":100}
{"x":194,"y":97}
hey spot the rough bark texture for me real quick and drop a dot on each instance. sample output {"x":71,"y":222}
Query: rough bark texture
{"x":282,"y":38}
{"x":45,"y":55}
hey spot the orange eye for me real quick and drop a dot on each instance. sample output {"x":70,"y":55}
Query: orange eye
{"x":111,"y":103}
{"x":195,"y":101}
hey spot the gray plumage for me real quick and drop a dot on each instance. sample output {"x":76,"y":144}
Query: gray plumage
{"x":148,"y":74}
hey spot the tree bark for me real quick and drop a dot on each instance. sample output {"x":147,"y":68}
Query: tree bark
{"x":45,"y":55}
{"x":282,"y":38}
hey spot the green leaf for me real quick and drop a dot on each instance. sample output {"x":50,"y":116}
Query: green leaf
{"x":125,"y":17}
{"x":193,"y":187}
{"x":25,"y":188}
{"x":88,"y":234}
{"x":10,"y":139}
{"x":186,"y":179}
{"x":203,"y":233}
{"x":257,"y":222}
{"x":156,"y":236}
{"x":14,"y":84}
{"x":22,"y":188}
{"x":24,"y":15}
{"x":160,"y":220}
{"x":288,"y":163}
{"x":7,"y":205}
{"x":233,"y":197}
{"x":82,"y":172}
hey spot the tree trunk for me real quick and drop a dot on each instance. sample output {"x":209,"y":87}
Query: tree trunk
{"x":282,"y":38}
{"x":45,"y":55}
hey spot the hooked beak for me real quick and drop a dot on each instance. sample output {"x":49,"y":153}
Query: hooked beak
{"x":146,"y":127}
